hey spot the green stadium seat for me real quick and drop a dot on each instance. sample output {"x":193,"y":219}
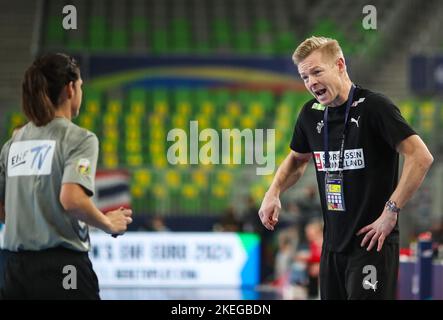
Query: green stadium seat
{"x":221,"y":98}
{"x":180,"y":36}
{"x":139,"y":25}
{"x":160,"y":41}
{"x":201,"y":95}
{"x":54,"y":31}
{"x":97,"y":33}
{"x":203,"y":48}
{"x":243,"y":42}
{"x":119,"y":39}
{"x":222,"y":33}
{"x":286,"y":43}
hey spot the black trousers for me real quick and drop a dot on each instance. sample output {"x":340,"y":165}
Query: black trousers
{"x":359,"y":274}
{"x":54,"y":274}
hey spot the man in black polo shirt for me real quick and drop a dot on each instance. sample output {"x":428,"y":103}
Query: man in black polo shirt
{"x":354,"y":136}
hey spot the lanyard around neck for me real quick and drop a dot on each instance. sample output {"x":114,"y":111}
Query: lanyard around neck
{"x":326,"y":133}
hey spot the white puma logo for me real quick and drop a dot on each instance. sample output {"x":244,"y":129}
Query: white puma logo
{"x":356,"y":121}
{"x":357,"y":102}
{"x":373,"y":286}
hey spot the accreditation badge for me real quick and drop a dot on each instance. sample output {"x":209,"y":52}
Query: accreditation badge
{"x":335,"y":199}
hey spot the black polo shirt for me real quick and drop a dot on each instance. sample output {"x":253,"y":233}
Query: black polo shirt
{"x":370,"y":175}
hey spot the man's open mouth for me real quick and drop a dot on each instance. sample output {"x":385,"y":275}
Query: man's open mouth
{"x":320,"y":93}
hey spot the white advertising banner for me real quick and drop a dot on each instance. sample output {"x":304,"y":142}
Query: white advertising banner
{"x":176,"y":259}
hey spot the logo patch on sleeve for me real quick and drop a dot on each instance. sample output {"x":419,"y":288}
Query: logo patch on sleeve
{"x":84,"y":167}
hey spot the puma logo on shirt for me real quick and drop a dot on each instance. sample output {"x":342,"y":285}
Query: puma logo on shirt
{"x":373,"y":286}
{"x":356,"y":103}
{"x":355,"y":121}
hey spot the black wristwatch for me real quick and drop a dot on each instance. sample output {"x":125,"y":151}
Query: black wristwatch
{"x":392,"y":206}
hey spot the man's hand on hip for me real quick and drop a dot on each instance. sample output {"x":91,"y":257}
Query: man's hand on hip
{"x":377,"y":231}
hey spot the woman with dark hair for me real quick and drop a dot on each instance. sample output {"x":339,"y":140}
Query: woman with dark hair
{"x":47,"y":172}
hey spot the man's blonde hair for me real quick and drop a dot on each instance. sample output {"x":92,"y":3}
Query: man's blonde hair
{"x":328,"y":47}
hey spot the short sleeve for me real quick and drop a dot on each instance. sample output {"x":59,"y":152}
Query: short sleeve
{"x":3,"y":164}
{"x":387,"y":120}
{"x":299,"y":141}
{"x":81,"y":164}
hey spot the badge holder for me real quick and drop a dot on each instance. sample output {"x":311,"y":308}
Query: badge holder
{"x":335,"y":199}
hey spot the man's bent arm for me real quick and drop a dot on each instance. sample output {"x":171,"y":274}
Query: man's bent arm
{"x":417,"y":161}
{"x":289,"y":172}
{"x":292,"y":168}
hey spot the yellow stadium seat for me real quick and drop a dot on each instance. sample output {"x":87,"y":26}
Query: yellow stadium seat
{"x":133,"y":146}
{"x":160,"y":108}
{"x":234,"y":109}
{"x":159,"y":163}
{"x":110,"y":161}
{"x":207,"y":108}
{"x":115,"y":107}
{"x":179,"y":122}
{"x":155,"y":120}
{"x":225,"y":122}
{"x":133,"y":133}
{"x":143,"y":177}
{"x":110,"y":120}
{"x":92,"y":107}
{"x":203,"y":121}
{"x":158,"y":135}
{"x":109,"y":146}
{"x":189,"y":191}
{"x":200,"y":179}
{"x":132,"y":120}
{"x":224,"y":177}
{"x":138,"y":109}
{"x":134,"y":160}
{"x":247,"y":122}
{"x":137,"y":191}
{"x":173,"y":179}
{"x":184,"y":108}
{"x":159,"y":191}
{"x":257,"y":110}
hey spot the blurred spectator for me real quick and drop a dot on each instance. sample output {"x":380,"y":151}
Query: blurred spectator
{"x":229,"y":222}
{"x":154,"y":224}
{"x":310,"y":260}
{"x":437,"y":233}
{"x":285,"y":255}
{"x":437,"y":240}
{"x":314,"y":235}
{"x":251,"y":223}
{"x":158,"y":224}
{"x":306,"y":209}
